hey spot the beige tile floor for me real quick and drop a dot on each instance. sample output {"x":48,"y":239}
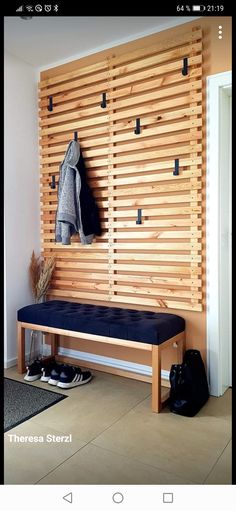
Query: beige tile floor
{"x":116,"y":439}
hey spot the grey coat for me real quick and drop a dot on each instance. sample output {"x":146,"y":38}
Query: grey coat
{"x":68,"y":217}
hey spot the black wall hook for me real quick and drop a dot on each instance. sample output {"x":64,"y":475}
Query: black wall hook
{"x":53,"y":183}
{"x":176,"y":171}
{"x":139,"y":218}
{"x":75,"y":136}
{"x":104,"y":100}
{"x":185,"y":66}
{"x":50,"y":105}
{"x":137,"y":130}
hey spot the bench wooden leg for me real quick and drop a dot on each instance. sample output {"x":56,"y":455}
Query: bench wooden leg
{"x":21,"y":347}
{"x":54,"y":345}
{"x":156,"y":379}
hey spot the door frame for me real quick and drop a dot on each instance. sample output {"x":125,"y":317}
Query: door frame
{"x":215,"y":83}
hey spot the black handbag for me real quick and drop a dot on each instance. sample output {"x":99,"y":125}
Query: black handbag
{"x":189,"y":388}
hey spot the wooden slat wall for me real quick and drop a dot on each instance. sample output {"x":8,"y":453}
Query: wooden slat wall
{"x":157,"y":263}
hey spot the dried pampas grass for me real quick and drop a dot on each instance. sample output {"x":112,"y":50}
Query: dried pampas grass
{"x":40,"y":271}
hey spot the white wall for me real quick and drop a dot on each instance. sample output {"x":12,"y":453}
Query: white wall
{"x":21,"y":191}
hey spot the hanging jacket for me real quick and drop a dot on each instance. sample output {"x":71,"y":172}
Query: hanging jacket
{"x":69,"y":215}
{"x":89,"y":210}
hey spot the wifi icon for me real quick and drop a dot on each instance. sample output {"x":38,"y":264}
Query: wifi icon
{"x":20,"y":9}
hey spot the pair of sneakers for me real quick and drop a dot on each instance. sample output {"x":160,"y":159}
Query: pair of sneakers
{"x":61,"y":375}
{"x":65,"y":376}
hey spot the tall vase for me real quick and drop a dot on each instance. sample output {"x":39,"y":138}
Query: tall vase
{"x":37,"y":341}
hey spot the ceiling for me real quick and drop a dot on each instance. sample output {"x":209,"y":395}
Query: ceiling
{"x":44,"y":41}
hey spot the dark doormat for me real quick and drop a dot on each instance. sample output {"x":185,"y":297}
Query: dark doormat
{"x":22,"y":401}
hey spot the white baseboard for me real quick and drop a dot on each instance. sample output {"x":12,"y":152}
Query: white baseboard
{"x":11,"y":362}
{"x":111,"y":362}
{"x":98,"y":359}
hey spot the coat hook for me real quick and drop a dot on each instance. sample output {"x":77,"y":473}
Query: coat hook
{"x":137,"y":130}
{"x":50,"y":105}
{"x":104,"y":100}
{"x":176,"y":171}
{"x":53,"y":183}
{"x":75,"y":136}
{"x":185,"y":66}
{"x":139,"y":218}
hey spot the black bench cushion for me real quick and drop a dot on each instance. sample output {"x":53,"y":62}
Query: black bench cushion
{"x":143,"y":326}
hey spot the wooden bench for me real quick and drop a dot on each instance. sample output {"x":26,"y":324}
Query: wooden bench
{"x":106,"y":322}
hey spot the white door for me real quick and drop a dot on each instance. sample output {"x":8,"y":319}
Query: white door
{"x":218,"y":232}
{"x":225,"y":222}
{"x":230,"y":248}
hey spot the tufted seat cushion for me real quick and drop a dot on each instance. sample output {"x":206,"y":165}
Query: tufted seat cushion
{"x":133,"y":325}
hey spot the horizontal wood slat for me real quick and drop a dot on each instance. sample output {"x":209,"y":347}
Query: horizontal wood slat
{"x":134,"y":234}
{"x":153,"y":246}
{"x":167,"y":199}
{"x":62,"y":261}
{"x":156,"y":264}
{"x":131,"y":278}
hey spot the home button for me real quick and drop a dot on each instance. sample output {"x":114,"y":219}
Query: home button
{"x":118,"y":497}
